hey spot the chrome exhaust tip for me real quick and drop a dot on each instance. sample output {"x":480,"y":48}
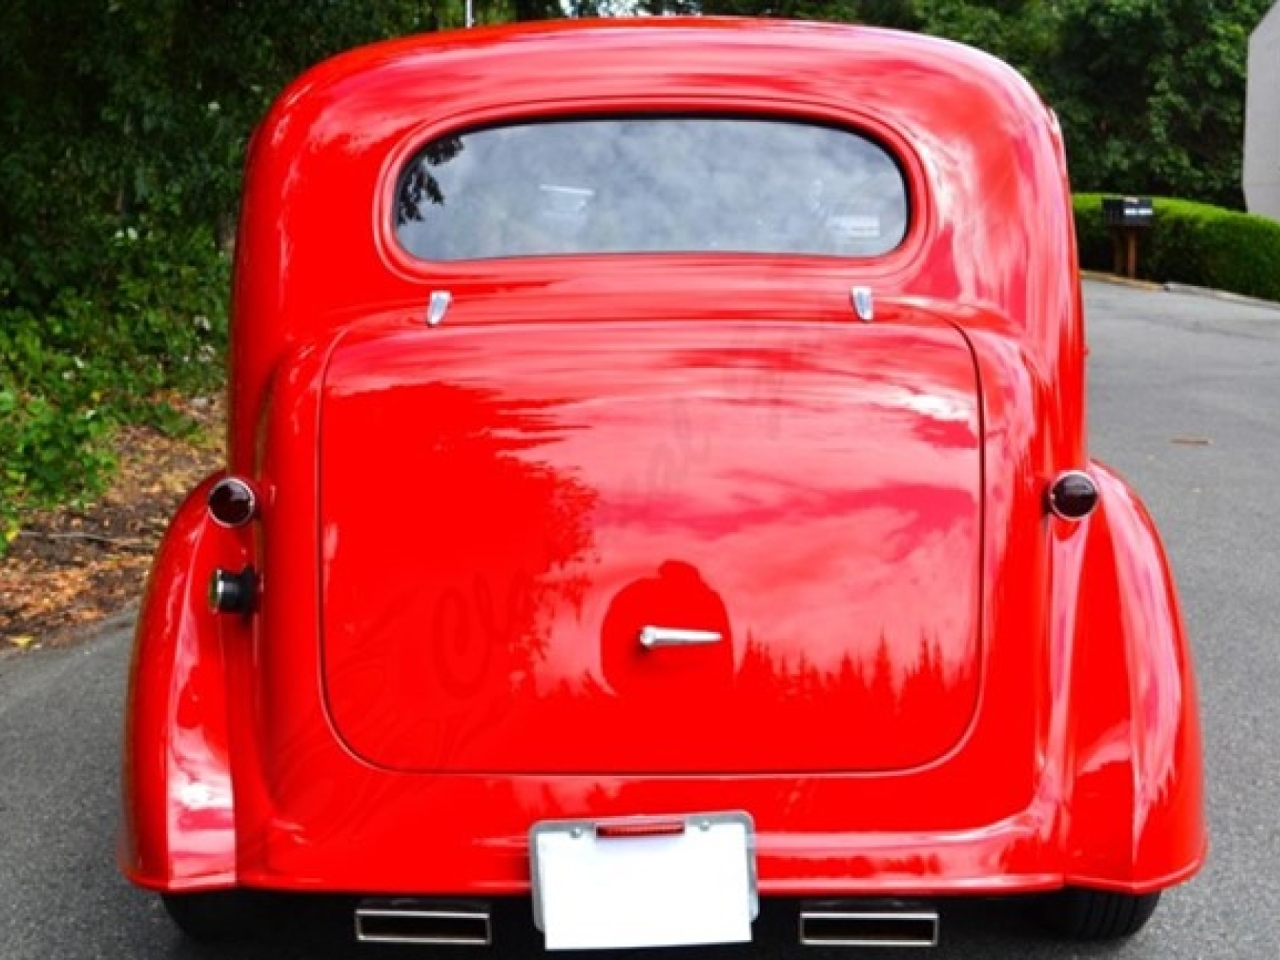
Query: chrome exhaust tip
{"x":869,"y":923}
{"x":424,"y":922}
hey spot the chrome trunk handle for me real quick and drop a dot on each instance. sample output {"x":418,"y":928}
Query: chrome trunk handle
{"x":652,"y":636}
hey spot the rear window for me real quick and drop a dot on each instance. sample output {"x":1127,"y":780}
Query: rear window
{"x":651,"y":184}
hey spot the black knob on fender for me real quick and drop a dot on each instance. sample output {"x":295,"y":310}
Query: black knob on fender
{"x":234,"y":592}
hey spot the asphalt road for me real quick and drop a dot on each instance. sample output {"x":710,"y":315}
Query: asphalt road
{"x":1185,"y":395}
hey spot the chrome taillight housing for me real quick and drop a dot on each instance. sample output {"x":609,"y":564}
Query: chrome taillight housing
{"x":1073,"y":495}
{"x":232,"y":502}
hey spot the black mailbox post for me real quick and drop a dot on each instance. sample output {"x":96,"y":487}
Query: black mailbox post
{"x":1127,"y":217}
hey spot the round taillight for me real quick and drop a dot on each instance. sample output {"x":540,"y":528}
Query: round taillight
{"x":1073,"y":495}
{"x":232,"y":502}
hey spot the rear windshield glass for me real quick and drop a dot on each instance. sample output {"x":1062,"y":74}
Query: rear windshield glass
{"x":651,"y":184}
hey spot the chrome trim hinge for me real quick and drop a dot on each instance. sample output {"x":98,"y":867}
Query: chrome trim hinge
{"x":438,"y":306}
{"x":864,"y":303}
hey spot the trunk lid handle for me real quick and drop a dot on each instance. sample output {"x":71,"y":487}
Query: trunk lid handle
{"x":655,"y":636}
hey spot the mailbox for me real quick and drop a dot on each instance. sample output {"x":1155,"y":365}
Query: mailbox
{"x":1128,"y":211}
{"x":1127,"y":217}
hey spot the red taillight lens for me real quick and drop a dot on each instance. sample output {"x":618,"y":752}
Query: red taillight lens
{"x":1073,"y":495}
{"x":232,"y":502}
{"x":648,"y":828}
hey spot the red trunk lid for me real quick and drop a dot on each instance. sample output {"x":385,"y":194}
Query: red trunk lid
{"x":506,"y":508}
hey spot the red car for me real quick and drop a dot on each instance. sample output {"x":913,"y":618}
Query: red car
{"x":657,"y":480}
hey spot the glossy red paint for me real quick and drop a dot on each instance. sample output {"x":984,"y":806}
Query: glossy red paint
{"x":794,"y":487}
{"x":178,"y":798}
{"x":925,"y":683}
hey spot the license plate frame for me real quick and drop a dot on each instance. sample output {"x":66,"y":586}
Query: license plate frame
{"x":636,"y":882}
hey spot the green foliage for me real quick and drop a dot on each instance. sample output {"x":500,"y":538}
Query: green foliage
{"x":51,"y":456}
{"x":1021,"y":32}
{"x":1193,"y":243}
{"x":1092,"y":239}
{"x":1151,"y":94}
{"x":125,"y":126}
{"x":149,"y":318}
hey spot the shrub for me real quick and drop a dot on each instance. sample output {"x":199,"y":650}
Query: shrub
{"x":146,"y":320}
{"x":1193,"y":243}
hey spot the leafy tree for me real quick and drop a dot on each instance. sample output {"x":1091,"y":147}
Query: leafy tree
{"x":1152,"y":94}
{"x":124,"y":126}
{"x":1022,"y":32}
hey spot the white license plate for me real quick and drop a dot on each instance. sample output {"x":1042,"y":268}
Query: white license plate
{"x":644,"y":882}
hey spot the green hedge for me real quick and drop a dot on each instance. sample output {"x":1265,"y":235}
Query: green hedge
{"x":1192,"y":243}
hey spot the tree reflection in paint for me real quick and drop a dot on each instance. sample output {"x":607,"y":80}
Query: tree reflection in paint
{"x":893,"y":714}
{"x":430,"y":637}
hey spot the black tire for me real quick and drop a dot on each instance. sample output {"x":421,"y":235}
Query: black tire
{"x":1096,"y":914}
{"x":215,"y":917}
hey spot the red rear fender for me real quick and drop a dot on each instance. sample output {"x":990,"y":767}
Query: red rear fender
{"x":1136,"y":809}
{"x":178,"y":823}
